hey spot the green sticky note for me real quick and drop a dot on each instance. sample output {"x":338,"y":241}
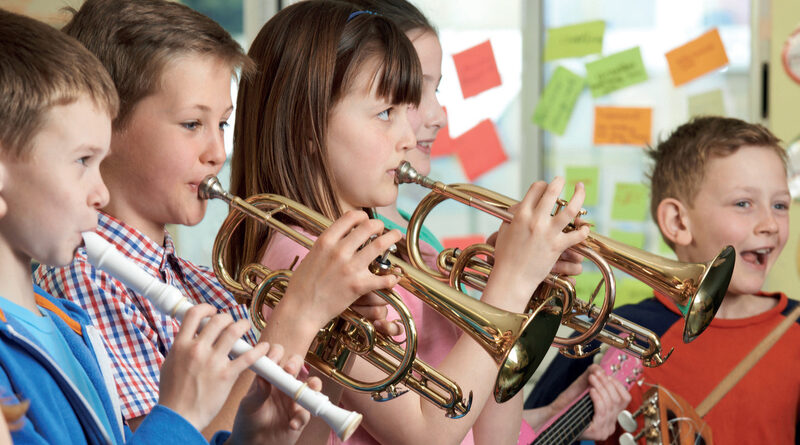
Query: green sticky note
{"x":558,"y":100}
{"x":707,"y":104}
{"x":663,"y":247}
{"x":631,"y":202}
{"x":574,"y":40}
{"x":630,"y":291}
{"x":588,"y":176}
{"x":615,"y":72}
{"x":633,"y":239}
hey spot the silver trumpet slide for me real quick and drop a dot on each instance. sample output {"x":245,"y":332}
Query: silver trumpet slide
{"x":169,"y":300}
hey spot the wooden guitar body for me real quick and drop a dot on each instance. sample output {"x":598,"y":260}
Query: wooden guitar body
{"x":673,"y":421}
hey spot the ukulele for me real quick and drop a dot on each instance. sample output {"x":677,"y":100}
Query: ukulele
{"x":567,"y":426}
{"x":668,"y":419}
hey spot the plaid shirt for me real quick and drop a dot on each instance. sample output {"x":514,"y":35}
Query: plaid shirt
{"x":137,"y":335}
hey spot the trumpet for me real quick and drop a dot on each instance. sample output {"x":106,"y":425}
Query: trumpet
{"x":697,"y":288}
{"x":517,"y":342}
{"x":169,"y":300}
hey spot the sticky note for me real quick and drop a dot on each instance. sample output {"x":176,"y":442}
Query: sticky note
{"x":574,"y":40}
{"x":700,"y":56}
{"x":480,"y":149}
{"x":586,"y":175}
{"x":622,"y":125}
{"x":443,"y":145}
{"x":631,"y":202}
{"x":630,"y":291}
{"x":462,"y":241}
{"x":709,"y":103}
{"x":558,"y":100}
{"x":633,"y":239}
{"x":585,"y":285}
{"x":663,"y":247}
{"x":615,"y":72}
{"x":477,"y":69}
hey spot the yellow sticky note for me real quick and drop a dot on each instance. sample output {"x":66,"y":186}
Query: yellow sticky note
{"x":709,"y":103}
{"x":588,"y":176}
{"x":631,"y":202}
{"x":558,"y":100}
{"x":574,"y":40}
{"x":622,"y":125}
{"x":615,"y":72}
{"x":696,"y":58}
{"x":633,"y":239}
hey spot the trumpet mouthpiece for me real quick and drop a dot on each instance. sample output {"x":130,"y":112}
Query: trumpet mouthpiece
{"x":406,"y":174}
{"x":210,"y":188}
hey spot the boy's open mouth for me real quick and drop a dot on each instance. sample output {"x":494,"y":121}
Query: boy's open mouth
{"x":758,"y":256}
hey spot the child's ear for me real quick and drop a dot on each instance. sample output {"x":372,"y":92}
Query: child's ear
{"x":674,"y":222}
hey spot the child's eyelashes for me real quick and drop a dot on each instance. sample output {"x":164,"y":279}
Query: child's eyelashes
{"x":84,"y":160}
{"x":194,"y":125}
{"x":384,"y":115}
{"x":781,"y":206}
{"x":191,"y":125}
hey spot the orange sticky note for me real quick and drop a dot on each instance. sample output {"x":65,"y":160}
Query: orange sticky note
{"x":622,"y":125}
{"x":477,"y":69}
{"x":700,"y":56}
{"x":461,"y":242}
{"x":480,"y":149}
{"x":443,"y":145}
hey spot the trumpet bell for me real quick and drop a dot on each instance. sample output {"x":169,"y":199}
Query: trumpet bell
{"x":521,"y":360}
{"x":700,"y":310}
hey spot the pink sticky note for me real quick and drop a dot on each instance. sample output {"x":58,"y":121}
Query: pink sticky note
{"x":477,"y":69}
{"x":461,"y":242}
{"x":480,"y":149}
{"x":443,"y":145}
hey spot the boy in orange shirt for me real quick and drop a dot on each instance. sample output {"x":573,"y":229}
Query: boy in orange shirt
{"x":716,"y":182}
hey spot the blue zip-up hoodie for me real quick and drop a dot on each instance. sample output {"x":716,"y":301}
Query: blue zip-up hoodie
{"x":28,"y":372}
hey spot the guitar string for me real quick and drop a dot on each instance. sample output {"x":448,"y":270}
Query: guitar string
{"x":581,"y":410}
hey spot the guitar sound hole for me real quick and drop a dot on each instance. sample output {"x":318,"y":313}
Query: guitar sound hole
{"x":673,"y":429}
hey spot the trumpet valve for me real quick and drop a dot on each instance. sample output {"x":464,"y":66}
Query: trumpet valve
{"x":561,"y":203}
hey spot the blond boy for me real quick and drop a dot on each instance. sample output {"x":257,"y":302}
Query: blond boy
{"x":716,"y":182}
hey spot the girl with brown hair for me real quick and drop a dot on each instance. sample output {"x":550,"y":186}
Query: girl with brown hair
{"x":324,"y":121}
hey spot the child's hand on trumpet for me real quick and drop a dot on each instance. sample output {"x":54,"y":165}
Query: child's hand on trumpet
{"x":333,"y":276}
{"x":534,"y":243}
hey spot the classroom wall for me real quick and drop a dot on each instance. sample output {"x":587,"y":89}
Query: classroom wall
{"x":784,"y":97}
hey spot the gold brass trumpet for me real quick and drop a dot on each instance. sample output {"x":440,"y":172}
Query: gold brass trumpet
{"x":517,"y":342}
{"x":697,"y":288}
